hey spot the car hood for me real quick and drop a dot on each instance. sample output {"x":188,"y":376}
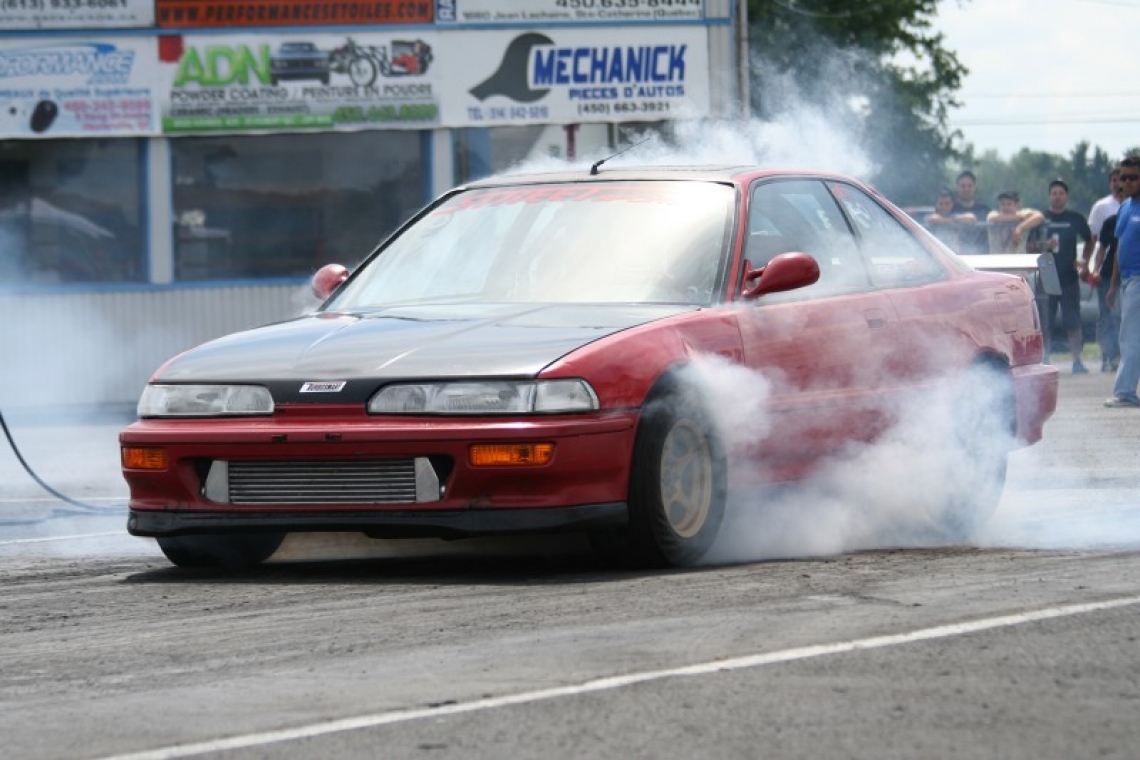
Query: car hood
{"x":421,"y":342}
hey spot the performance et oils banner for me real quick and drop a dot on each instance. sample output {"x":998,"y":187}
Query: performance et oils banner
{"x":175,"y":14}
{"x":266,"y":83}
{"x":73,"y":87}
{"x":573,"y":75}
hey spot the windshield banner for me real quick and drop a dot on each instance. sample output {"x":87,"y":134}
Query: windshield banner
{"x":178,"y":14}
{"x":566,"y":76}
{"x":75,"y":14}
{"x":472,"y":12}
{"x":71,"y":87}
{"x":266,"y":83}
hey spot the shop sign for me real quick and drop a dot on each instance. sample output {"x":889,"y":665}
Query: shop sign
{"x":70,"y":87}
{"x":75,"y":14}
{"x":243,"y":13}
{"x":564,"y":76}
{"x":475,"y":12}
{"x":269,"y":83}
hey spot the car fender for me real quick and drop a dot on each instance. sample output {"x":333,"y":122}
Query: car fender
{"x":649,"y":353}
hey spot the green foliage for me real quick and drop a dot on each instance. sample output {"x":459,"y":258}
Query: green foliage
{"x":844,"y":57}
{"x":885,"y":79}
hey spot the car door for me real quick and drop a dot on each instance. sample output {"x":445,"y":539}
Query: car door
{"x":934,"y":312}
{"x":820,"y":348}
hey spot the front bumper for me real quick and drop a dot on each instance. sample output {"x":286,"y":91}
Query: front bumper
{"x":585,"y":483}
{"x":381,"y":524}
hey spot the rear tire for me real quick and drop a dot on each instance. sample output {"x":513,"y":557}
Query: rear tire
{"x":678,"y":483}
{"x":985,"y":425}
{"x":230,"y":551}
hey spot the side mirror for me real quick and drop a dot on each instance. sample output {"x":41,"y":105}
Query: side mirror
{"x":327,"y":279}
{"x":786,"y":271}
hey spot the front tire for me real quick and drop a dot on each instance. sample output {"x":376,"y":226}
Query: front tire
{"x":237,"y":551}
{"x":678,"y":483}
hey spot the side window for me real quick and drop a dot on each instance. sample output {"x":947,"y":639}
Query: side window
{"x":895,"y":258}
{"x":800,"y":215}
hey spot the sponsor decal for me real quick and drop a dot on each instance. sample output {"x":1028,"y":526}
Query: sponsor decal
{"x":548,"y":12}
{"x":77,"y":87}
{"x":230,"y":13}
{"x":574,"y":76}
{"x":322,"y":81}
{"x":75,"y":14}
{"x":323,"y":386}
{"x":95,"y":62}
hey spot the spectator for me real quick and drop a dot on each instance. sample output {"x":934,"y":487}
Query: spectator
{"x":1063,"y":227}
{"x":1108,"y":316}
{"x":973,"y":239}
{"x":1126,"y":284}
{"x":944,"y":224}
{"x":1102,"y":221}
{"x":1101,"y":210}
{"x":1010,"y":225}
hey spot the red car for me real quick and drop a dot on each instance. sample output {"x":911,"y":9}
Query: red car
{"x":546,"y":353}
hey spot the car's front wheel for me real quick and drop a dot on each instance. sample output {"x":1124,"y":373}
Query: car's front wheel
{"x":678,"y":483}
{"x":231,"y":551}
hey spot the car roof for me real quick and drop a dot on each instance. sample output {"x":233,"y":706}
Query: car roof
{"x":732,"y":173}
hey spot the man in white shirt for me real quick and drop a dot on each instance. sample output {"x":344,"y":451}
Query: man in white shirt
{"x":1108,"y":319}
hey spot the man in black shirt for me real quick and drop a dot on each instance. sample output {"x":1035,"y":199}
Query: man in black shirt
{"x":1100,"y":276}
{"x":975,"y":239}
{"x":1061,"y":230}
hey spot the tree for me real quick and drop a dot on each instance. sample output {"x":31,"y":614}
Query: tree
{"x":1029,"y":172}
{"x":877,"y":69}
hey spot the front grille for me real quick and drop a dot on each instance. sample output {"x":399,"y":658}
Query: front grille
{"x":351,"y":481}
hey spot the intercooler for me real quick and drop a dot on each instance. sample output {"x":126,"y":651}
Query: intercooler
{"x":348,"y":481}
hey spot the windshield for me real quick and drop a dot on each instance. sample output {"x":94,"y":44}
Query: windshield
{"x":610,"y":242}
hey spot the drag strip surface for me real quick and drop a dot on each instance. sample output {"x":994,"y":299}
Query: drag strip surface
{"x":1022,"y":647}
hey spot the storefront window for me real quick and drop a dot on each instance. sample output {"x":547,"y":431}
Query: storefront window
{"x":283,"y":205}
{"x":71,"y":212}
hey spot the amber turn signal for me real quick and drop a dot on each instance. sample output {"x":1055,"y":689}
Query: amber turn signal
{"x":145,"y":458}
{"x":509,"y":454}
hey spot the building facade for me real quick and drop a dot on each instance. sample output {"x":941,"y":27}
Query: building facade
{"x":173,"y":170}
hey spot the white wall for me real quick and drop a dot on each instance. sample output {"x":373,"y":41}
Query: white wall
{"x":100,"y":348}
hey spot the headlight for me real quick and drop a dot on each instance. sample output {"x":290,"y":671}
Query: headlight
{"x":204,"y":400}
{"x":486,"y":397}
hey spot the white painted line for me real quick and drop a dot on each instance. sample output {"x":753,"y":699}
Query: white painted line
{"x":77,"y":537}
{"x":617,"y":682}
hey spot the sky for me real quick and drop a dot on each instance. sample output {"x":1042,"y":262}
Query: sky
{"x":1041,"y":73}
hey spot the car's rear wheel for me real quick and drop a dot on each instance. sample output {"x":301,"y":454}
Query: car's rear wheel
{"x":985,"y":423}
{"x":678,"y":483}
{"x":231,"y":551}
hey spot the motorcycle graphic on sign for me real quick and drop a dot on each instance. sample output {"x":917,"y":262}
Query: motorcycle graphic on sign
{"x":364,"y":63}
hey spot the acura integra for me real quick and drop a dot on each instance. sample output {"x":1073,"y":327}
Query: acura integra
{"x":532,"y":354}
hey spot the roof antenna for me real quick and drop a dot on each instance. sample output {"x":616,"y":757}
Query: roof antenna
{"x":594,"y":168}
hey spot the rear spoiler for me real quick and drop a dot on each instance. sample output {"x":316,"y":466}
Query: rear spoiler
{"x":1011,"y":263}
{"x":1026,"y":265}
